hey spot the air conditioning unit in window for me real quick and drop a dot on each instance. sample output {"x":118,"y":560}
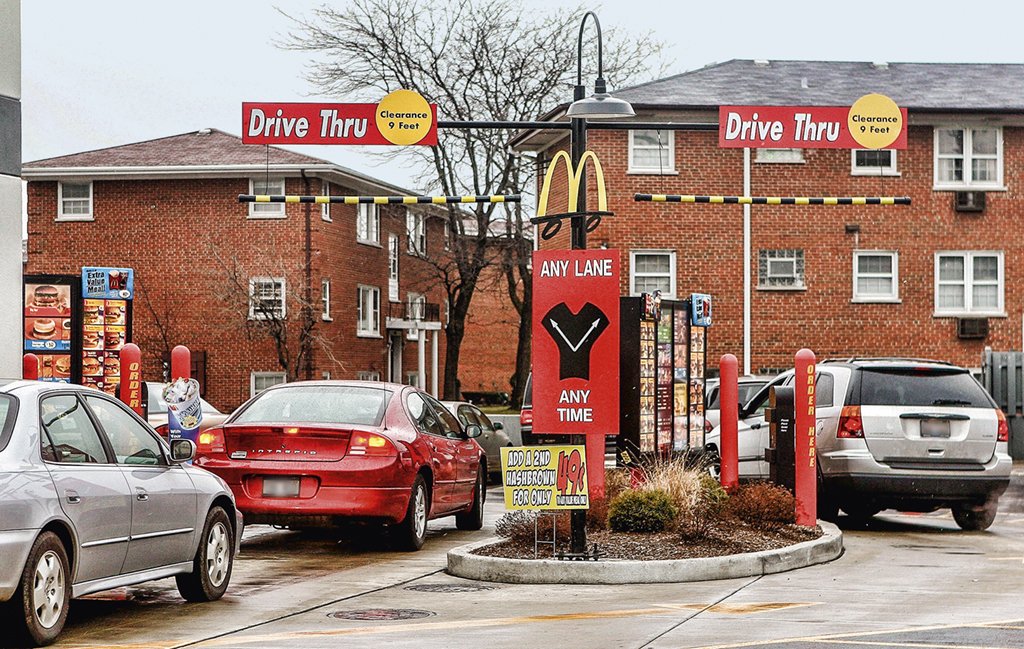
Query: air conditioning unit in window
{"x":970,"y":201}
{"x":972,"y":328}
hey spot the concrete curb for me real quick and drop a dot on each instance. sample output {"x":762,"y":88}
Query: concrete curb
{"x":462,"y":563}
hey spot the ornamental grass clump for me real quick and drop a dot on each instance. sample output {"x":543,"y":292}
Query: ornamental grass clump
{"x":644,"y":511}
{"x":521,"y":527}
{"x":708,"y":504}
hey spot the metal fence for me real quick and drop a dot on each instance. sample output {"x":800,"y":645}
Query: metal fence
{"x":1002,"y":374}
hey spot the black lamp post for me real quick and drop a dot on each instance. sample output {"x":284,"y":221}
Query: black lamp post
{"x":599,"y":105}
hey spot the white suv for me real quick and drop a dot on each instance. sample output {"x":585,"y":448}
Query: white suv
{"x":906,"y":434}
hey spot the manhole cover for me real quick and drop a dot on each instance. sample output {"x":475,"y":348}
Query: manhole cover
{"x":379,"y":614}
{"x":448,"y":588}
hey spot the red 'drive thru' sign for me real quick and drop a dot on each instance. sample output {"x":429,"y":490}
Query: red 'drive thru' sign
{"x":576,"y":341}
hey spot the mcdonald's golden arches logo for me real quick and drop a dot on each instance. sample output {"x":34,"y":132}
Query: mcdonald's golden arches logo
{"x":575,"y":176}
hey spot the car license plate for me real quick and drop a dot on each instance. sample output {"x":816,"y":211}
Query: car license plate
{"x":280,"y":487}
{"x":935,"y":428}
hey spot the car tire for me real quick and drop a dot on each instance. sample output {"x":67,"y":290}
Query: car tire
{"x":860,"y":513}
{"x":39,"y":607}
{"x":973,"y":518}
{"x":412,"y":531}
{"x":828,"y":506}
{"x":211,"y":568}
{"x":712,"y":464}
{"x":474,"y":518}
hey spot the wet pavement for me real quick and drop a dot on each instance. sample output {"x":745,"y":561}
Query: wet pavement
{"x":904,"y":581}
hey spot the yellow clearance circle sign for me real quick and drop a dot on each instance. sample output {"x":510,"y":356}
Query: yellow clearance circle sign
{"x":404,"y":117}
{"x":875,"y":121}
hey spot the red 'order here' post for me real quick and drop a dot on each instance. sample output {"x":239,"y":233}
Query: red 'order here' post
{"x":728,"y":390}
{"x":806,"y":458}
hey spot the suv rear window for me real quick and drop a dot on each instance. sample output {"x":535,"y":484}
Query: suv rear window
{"x":917,"y":387}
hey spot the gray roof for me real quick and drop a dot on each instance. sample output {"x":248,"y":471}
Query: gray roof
{"x":947,"y":87}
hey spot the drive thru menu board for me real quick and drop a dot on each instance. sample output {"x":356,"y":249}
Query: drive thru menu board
{"x":48,"y":328}
{"x":647,"y":385}
{"x":665,"y":377}
{"x":106,"y":294}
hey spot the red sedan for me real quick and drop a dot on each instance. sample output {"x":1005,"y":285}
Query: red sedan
{"x":319,"y":453}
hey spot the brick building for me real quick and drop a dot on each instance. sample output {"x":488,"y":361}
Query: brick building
{"x":215,"y":274}
{"x":941,"y":278}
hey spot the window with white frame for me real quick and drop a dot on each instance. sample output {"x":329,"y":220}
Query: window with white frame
{"x":412,"y":378}
{"x":368,"y":223}
{"x":784,"y":156}
{"x":368,"y":376}
{"x":326,"y":375}
{"x":325,"y":299}
{"x":780,"y":269}
{"x":393,"y":267}
{"x":74,"y":201}
{"x":447,"y":235}
{"x":325,"y":209}
{"x":875,"y":276}
{"x":368,"y":311}
{"x":417,"y":307}
{"x":653,"y":270}
{"x":266,"y":298}
{"x":260,"y":381}
{"x":873,"y":162}
{"x":652,"y":152}
{"x":969,"y":283}
{"x":271,"y":187}
{"x":968,"y":157}
{"x":416,"y":233}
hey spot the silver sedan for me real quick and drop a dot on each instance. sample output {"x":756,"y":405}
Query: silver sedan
{"x":91,"y":499}
{"x":492,"y":437}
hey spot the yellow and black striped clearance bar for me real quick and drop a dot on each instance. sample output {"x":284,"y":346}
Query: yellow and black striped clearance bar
{"x":381,"y":200}
{"x":774,"y":200}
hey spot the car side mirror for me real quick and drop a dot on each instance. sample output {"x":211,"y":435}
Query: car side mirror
{"x":182,"y":450}
{"x":473,"y":431}
{"x":498,"y":425}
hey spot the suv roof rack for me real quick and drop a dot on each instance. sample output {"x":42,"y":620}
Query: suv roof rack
{"x":880,"y":359}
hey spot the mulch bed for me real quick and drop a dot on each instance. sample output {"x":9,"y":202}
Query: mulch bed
{"x":726,"y":536}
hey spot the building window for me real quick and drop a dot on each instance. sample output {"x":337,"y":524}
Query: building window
{"x":873,"y":162}
{"x":325,"y":299}
{"x":368,"y":376}
{"x":416,"y":310}
{"x":968,"y":157}
{"x":75,"y":201}
{"x":652,"y":152}
{"x":272,"y":187}
{"x":325,"y":209}
{"x":653,"y":270}
{"x":393,"y":267}
{"x":368,"y":223}
{"x":413,"y":379}
{"x":780,"y":269}
{"x":260,"y":381}
{"x":326,"y":376}
{"x":266,"y":298}
{"x":969,"y":283}
{"x":447,"y":235}
{"x":368,"y":311}
{"x":783,"y":156}
{"x":416,"y":233}
{"x":875,"y":276}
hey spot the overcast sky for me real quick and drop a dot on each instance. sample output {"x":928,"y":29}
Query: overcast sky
{"x":109,"y":72}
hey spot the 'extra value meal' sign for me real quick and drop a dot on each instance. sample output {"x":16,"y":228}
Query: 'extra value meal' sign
{"x":403,"y":117}
{"x":548,"y":477}
{"x":873,"y":122}
{"x":576,"y":341}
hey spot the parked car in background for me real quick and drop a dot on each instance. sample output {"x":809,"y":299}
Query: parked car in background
{"x":492,"y":437}
{"x":156,"y":410}
{"x":747,"y":387}
{"x":94,"y":499}
{"x":908,"y":434}
{"x":321,"y":453}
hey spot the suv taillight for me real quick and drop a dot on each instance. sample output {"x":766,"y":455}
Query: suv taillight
{"x":850,"y":424}
{"x":526,"y":417}
{"x":210,"y":440}
{"x":1003,"y":430}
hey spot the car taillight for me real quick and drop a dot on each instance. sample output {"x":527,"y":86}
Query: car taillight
{"x":1003,"y":430}
{"x":370,"y":444}
{"x":163,"y":430}
{"x":210,"y":440}
{"x":526,"y":417}
{"x":708,"y":427}
{"x":850,"y":424}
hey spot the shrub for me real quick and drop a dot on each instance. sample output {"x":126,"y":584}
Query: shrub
{"x":674,"y":478}
{"x":763,"y":505}
{"x":518,"y":526}
{"x":615,"y":482}
{"x":706,"y":508}
{"x":644,"y":511}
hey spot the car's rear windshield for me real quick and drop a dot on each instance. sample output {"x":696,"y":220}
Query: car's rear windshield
{"x":921,"y":387}
{"x":317,"y":404}
{"x":8,"y":413}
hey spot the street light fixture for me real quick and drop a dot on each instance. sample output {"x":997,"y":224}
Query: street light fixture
{"x":600,"y":104}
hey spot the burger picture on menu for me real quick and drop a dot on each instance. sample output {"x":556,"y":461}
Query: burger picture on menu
{"x":113,"y":339}
{"x":61,"y":366}
{"x":92,"y":313}
{"x":92,"y":366}
{"x":41,"y":329}
{"x":115,"y":313}
{"x":109,"y":388}
{"x":92,"y":340}
{"x":111,"y":366}
{"x":45,"y":299}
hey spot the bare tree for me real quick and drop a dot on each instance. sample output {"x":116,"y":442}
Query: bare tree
{"x":485,"y":60}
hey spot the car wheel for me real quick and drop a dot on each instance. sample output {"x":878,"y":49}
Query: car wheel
{"x":828,"y":506}
{"x":713,"y":464}
{"x":412,"y":531}
{"x":474,"y":518}
{"x":860,"y":513}
{"x":40,"y":605}
{"x":211,"y":568}
{"x":975,"y":518}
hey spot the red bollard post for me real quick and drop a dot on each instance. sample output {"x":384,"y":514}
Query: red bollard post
{"x":729,"y":396}
{"x":806,"y":458}
{"x":131,"y":377}
{"x":30,"y":367}
{"x":181,"y":363}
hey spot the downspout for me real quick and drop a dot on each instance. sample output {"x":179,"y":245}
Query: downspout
{"x":308,"y":297}
{"x":746,"y":264}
